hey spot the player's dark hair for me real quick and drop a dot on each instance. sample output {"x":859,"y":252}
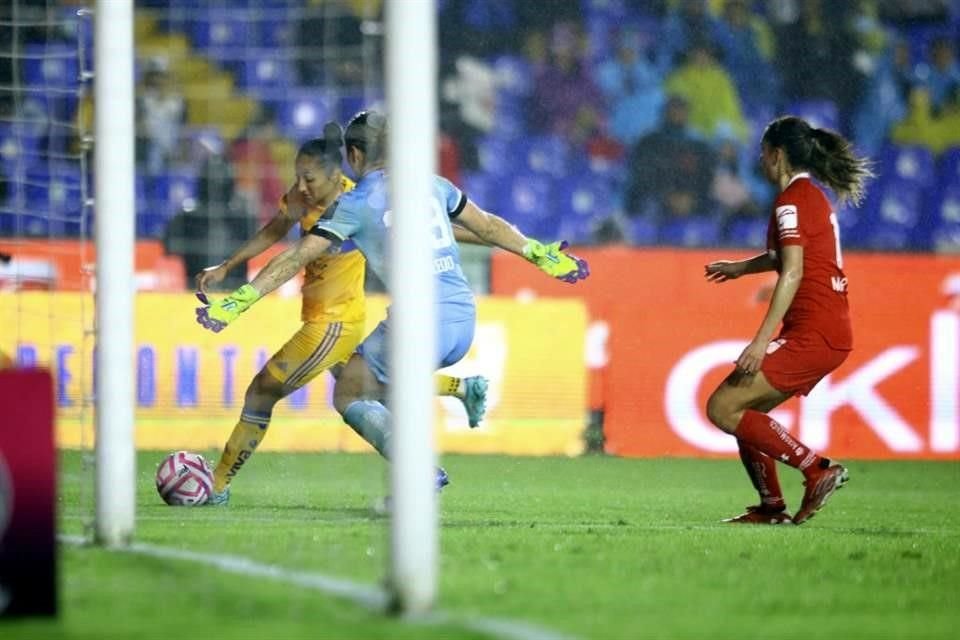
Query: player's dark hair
{"x":824,"y":153}
{"x":367,"y":131}
{"x":327,"y":148}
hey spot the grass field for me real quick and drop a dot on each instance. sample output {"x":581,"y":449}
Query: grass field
{"x":591,"y":547}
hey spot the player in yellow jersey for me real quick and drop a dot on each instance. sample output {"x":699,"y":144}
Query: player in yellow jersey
{"x":333,"y":311}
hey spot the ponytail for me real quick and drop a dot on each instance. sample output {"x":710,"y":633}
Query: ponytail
{"x":833,"y":162}
{"x":327,"y":148}
{"x":367,"y":131}
{"x":826,"y":154}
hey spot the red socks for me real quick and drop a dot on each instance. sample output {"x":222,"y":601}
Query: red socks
{"x":764,"y":434}
{"x":763,"y":474}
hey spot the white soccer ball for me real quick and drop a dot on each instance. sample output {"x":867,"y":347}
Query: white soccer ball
{"x":184,"y":479}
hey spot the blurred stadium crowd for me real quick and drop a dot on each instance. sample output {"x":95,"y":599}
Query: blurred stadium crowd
{"x":599,"y":121}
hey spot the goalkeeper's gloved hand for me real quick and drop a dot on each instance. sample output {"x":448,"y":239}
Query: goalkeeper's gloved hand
{"x":217,"y":315}
{"x":551,"y":259}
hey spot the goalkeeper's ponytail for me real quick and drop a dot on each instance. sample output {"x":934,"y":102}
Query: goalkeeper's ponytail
{"x":367,"y":131}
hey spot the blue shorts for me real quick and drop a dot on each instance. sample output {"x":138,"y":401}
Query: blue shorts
{"x":453,"y":341}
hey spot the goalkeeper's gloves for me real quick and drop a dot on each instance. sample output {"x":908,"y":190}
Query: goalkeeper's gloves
{"x":217,"y":315}
{"x":551,"y":259}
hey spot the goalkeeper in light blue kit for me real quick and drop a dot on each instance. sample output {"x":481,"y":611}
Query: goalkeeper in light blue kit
{"x":363,"y":215}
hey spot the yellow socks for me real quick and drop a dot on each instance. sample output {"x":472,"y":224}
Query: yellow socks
{"x":448,"y":385}
{"x":244,"y":440}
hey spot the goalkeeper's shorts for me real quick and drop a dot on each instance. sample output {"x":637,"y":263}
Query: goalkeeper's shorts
{"x":453,"y":340}
{"x":313,"y":349}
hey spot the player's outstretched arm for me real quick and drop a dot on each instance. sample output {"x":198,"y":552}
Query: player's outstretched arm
{"x":723,"y":270}
{"x":217,"y":315}
{"x":287,"y":264}
{"x":550,"y":258}
{"x":464,"y":236}
{"x":266,"y":237}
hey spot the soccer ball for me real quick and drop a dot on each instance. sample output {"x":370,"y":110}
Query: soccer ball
{"x":184,"y":479}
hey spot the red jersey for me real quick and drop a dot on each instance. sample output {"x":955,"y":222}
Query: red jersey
{"x":802,"y":215}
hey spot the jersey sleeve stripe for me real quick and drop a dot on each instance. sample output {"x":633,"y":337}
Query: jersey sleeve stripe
{"x":460,"y":205}
{"x":329,"y":234}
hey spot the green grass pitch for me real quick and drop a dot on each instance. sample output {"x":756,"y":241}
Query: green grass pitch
{"x":590,"y":547}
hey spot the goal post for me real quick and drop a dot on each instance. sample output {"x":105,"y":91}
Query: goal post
{"x":114,"y":238}
{"x":411,"y":78}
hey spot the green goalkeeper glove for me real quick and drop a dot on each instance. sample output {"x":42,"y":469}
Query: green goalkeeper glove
{"x":551,"y":259}
{"x":217,"y":315}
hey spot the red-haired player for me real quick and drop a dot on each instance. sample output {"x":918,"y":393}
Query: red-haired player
{"x":810,"y":299}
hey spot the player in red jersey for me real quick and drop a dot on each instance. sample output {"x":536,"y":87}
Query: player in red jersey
{"x":810,"y":300}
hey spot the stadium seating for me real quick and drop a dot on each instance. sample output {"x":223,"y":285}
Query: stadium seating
{"x":483,"y":189}
{"x":51,"y":65}
{"x":514,"y":75}
{"x":642,"y":231}
{"x":301,"y":113}
{"x":583,"y":203}
{"x":700,"y":231}
{"x":747,"y":232}
{"x":819,"y":113}
{"x":894,"y":217}
{"x":19,"y":147}
{"x":909,"y":163}
{"x":499,"y":156}
{"x":263,"y":71}
{"x":530,"y":205}
{"x":54,"y":203}
{"x":218,"y":32}
{"x":547,"y":154}
{"x":167,"y":191}
{"x":948,"y":172}
{"x":518,"y":164}
{"x":944,"y":205}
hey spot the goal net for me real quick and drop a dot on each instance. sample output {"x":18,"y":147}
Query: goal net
{"x":225,"y":94}
{"x":46,"y":276}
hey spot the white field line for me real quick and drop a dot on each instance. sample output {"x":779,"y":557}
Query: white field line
{"x":368,"y":596}
{"x":572,"y":526}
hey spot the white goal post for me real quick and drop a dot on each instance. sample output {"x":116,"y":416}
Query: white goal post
{"x":411,"y":78}
{"x":114,"y":236}
{"x":411,"y":94}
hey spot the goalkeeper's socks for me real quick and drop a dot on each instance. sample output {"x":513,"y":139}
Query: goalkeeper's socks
{"x":766,"y":435}
{"x":449,"y":386}
{"x":371,"y":421}
{"x":243,"y":441}
{"x":763,"y":474}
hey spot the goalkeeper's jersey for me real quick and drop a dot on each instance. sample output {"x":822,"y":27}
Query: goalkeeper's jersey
{"x":363,"y":217}
{"x":333,"y":284}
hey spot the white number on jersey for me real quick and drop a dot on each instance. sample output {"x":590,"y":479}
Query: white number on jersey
{"x":439,"y":225}
{"x":836,"y":238}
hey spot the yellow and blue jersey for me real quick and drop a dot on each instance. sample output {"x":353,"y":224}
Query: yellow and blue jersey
{"x":333,"y":284}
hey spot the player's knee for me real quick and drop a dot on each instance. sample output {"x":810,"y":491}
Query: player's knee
{"x":344,"y":394}
{"x":264,"y":392}
{"x":721,"y":412}
{"x":349,"y":386}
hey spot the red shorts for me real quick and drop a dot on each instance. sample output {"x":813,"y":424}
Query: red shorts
{"x":796,"y":363}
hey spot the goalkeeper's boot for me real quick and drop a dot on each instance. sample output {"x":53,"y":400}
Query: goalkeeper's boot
{"x":818,"y":488}
{"x":219,"y":498}
{"x":763,"y":514}
{"x":475,"y":399}
{"x":385,"y":505}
